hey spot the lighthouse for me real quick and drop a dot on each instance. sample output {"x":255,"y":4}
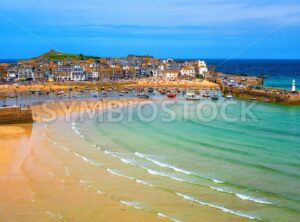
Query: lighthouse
{"x":294,"y":86}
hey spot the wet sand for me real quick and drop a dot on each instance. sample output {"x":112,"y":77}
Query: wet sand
{"x":36,"y":185}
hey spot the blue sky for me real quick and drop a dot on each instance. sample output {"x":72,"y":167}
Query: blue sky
{"x":169,"y":28}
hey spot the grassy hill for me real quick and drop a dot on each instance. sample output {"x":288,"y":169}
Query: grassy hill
{"x":55,"y":55}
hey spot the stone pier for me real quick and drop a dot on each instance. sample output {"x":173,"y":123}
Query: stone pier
{"x":15,"y":114}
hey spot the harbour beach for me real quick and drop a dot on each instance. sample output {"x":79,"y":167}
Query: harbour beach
{"x":132,"y":170}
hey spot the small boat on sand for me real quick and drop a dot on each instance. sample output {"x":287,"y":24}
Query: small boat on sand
{"x":143,"y":96}
{"x":171,"y":95}
{"x":191,"y":95}
{"x":60,"y":93}
{"x":206,"y":95}
{"x":150,"y":90}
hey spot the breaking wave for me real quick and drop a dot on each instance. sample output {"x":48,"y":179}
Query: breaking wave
{"x":242,"y":196}
{"x":176,"y":169}
{"x":224,"y":209}
{"x":114,"y":172}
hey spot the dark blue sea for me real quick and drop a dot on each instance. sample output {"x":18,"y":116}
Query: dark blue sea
{"x":279,"y":73}
{"x":8,"y":60}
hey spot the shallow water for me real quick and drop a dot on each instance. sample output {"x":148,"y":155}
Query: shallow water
{"x":246,"y":169}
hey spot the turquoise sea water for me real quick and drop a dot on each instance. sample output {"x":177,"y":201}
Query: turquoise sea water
{"x":249,"y":168}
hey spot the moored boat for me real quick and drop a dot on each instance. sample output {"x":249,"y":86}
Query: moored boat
{"x":150,"y":90}
{"x":206,"y":94}
{"x":143,"y":96}
{"x":171,"y":95}
{"x":215,"y":97}
{"x":192,"y":97}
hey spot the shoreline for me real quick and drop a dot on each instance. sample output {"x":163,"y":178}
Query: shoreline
{"x":22,"y":163}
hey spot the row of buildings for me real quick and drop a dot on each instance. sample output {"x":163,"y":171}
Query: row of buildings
{"x":45,"y":69}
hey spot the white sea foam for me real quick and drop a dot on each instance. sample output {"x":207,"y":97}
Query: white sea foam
{"x":64,"y":148}
{"x":56,"y":216}
{"x":164,"y":165}
{"x":124,"y":160}
{"x":87,"y":160}
{"x":217,"y":181}
{"x":163,"y":174}
{"x":143,"y":182}
{"x":254,"y":199}
{"x":100,"y":192}
{"x":220,"y":190}
{"x":168,"y":217}
{"x":176,"y":169}
{"x":242,"y":196}
{"x":131,"y":162}
{"x":114,"y":172}
{"x":224,"y":209}
{"x":85,"y":182}
{"x":76,"y":154}
{"x":131,"y":204}
{"x":75,"y":129}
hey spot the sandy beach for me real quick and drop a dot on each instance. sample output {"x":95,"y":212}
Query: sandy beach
{"x":15,"y":88}
{"x":64,"y":168}
{"x":49,"y":171}
{"x":34,"y":177}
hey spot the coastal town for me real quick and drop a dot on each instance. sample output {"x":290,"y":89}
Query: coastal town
{"x":56,"y":73}
{"x":56,"y":66}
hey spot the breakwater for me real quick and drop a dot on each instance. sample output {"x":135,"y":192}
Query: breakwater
{"x":249,"y":87}
{"x":14,"y":114}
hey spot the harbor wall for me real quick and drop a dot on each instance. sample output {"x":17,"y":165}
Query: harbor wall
{"x":277,"y":96}
{"x":12,"y":115}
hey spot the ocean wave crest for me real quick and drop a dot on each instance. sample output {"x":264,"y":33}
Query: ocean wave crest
{"x":224,"y":209}
{"x":116,"y":173}
{"x":242,"y":196}
{"x":176,"y":169}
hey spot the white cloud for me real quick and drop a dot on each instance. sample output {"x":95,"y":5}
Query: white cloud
{"x":156,"y":12}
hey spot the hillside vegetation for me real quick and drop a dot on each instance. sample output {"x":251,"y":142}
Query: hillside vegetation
{"x":55,"y":55}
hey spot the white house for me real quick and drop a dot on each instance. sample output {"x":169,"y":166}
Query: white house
{"x":77,"y":73}
{"x":26,"y":73}
{"x":12,"y":73}
{"x":202,"y":67}
{"x":170,"y":74}
{"x":92,"y":75}
{"x":155,"y":72}
{"x":188,"y":71}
